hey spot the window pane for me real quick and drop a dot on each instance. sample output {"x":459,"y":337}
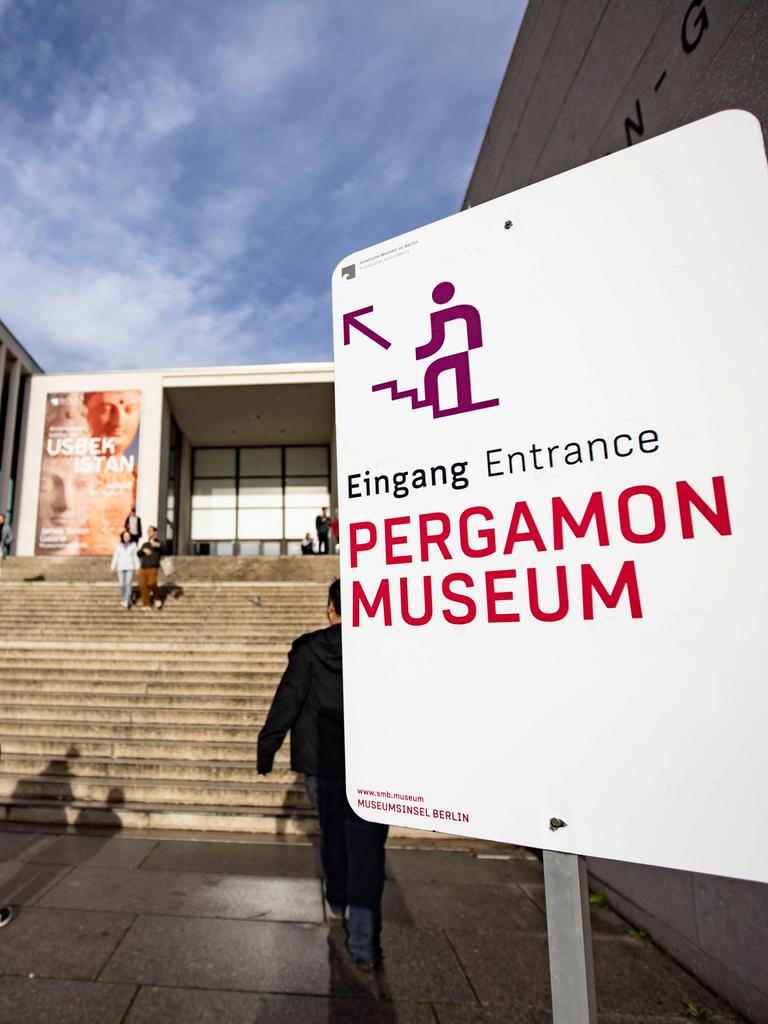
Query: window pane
{"x":301,"y":492}
{"x":260,"y":462}
{"x":213,"y":494}
{"x":299,"y":521}
{"x":257,"y":523}
{"x":264,"y":492}
{"x":306,"y":460}
{"x":213,"y":524}
{"x":214,"y":462}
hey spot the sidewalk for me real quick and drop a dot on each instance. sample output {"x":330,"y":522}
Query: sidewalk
{"x":138,"y":930}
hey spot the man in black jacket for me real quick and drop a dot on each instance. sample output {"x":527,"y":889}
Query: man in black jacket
{"x":133,"y":525}
{"x":309,"y":702}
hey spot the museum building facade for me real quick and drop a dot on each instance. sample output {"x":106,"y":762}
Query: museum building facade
{"x":225,"y":461}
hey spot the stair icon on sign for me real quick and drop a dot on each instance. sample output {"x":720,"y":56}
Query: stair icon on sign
{"x":454,"y":366}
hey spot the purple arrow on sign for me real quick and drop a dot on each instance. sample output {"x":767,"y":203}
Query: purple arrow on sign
{"x":350,"y":320}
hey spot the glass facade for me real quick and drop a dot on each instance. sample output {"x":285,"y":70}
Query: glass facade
{"x":257,"y":501}
{"x":172,"y":498}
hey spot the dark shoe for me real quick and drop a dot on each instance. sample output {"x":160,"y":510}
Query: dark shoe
{"x":6,"y":915}
{"x":366,"y":965}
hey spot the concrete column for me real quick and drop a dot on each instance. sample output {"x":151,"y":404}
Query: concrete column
{"x":9,"y":434}
{"x":184,"y":496}
{"x":3,"y":354}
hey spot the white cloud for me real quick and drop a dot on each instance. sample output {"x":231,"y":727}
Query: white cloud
{"x":177,"y":183}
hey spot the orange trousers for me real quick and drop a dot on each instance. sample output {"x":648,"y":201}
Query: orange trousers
{"x":147,"y":585}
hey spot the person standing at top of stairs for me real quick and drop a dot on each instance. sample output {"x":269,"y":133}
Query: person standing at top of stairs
{"x":6,"y":539}
{"x":150,"y":553}
{"x":133,"y":525}
{"x":322,"y":525}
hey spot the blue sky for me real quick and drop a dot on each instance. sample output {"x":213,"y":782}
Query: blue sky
{"x":180,"y":177}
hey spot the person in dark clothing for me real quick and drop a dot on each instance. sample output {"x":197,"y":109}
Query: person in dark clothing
{"x":150,"y":553}
{"x":322,"y":525}
{"x":6,"y":539}
{"x":309,"y":702}
{"x":133,"y":525}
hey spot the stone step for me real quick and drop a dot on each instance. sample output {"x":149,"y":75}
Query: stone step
{"x":146,"y":661}
{"x":117,"y":715}
{"x":55,"y":684}
{"x":67,"y":744}
{"x":122,"y":621}
{"x":147,"y":791}
{"x":191,"y":647}
{"x":239,"y":637}
{"x":94,"y":767}
{"x":128,"y":673}
{"x":107,"y":730}
{"x":210,"y":654}
{"x":112,"y":717}
{"x":247,"y":820}
{"x":203,"y":701}
{"x":318,"y":571}
{"x":138,"y":626}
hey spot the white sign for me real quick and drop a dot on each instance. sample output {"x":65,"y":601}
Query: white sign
{"x":551,"y":428}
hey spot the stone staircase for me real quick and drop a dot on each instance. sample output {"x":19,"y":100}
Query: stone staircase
{"x":149,"y":720}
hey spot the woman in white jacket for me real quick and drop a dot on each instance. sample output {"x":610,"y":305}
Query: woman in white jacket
{"x":125,"y":562}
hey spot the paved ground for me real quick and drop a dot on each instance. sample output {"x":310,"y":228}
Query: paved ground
{"x":142,"y":930}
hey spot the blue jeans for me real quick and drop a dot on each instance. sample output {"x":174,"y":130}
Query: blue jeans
{"x":352,"y":852}
{"x":125,"y":579}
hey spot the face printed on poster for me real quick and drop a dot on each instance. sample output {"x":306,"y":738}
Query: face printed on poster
{"x":89,"y":471}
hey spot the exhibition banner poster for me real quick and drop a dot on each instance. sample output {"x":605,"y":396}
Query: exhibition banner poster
{"x":550,"y":420}
{"x":89,"y":471}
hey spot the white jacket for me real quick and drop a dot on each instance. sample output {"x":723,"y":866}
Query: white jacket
{"x":125,"y":558}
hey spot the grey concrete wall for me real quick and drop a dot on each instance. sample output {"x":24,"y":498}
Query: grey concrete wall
{"x":587,"y":78}
{"x":715,"y":927}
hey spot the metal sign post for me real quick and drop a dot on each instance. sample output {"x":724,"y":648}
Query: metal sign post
{"x":571,"y":966}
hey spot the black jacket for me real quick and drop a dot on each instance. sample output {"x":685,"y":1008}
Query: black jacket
{"x":150,"y":553}
{"x":309,"y":701}
{"x":139,"y":531}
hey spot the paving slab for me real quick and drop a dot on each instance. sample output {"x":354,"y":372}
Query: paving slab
{"x":23,"y":884}
{"x":237,"y":859}
{"x":189,"y":894}
{"x":461,"y":866}
{"x":632,"y":977}
{"x":183,"y":1006}
{"x":59,"y":943}
{"x":527,"y":1015}
{"x":419,"y":966}
{"x":493,"y":1015}
{"x":44,"y":1000}
{"x":123,"y":852}
{"x":604,"y":921}
{"x":239,"y":955}
{"x":505,"y":967}
{"x":462,"y":906}
{"x":19,"y":845}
